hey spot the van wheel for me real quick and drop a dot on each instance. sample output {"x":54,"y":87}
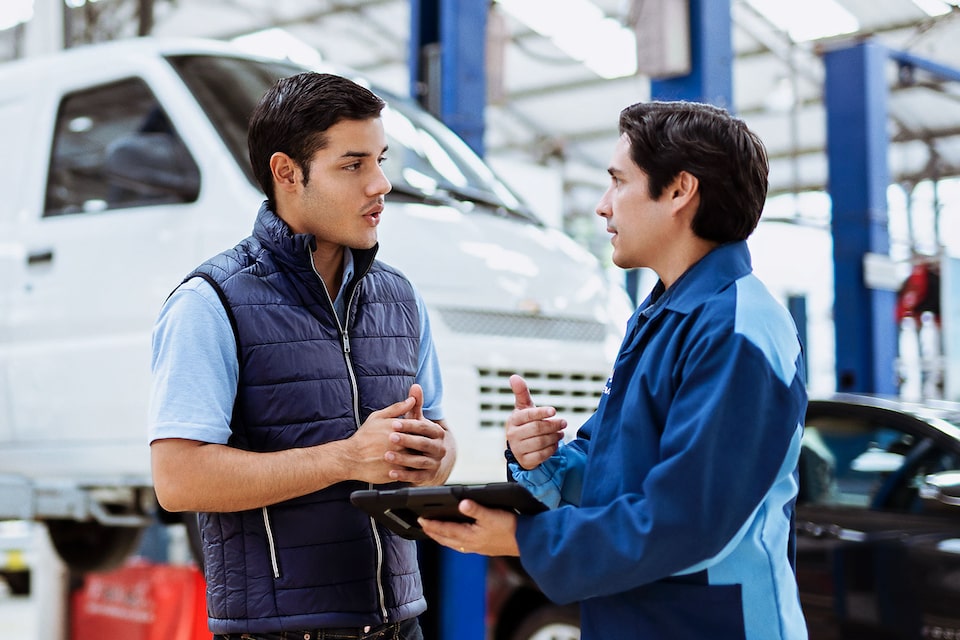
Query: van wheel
{"x":91,"y":546}
{"x":550,"y":622}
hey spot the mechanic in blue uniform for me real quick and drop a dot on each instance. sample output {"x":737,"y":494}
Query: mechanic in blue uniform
{"x":291,"y":370}
{"x":673,"y":509}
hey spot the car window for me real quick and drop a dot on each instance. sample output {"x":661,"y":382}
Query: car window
{"x":866,"y":463}
{"x":114,"y":147}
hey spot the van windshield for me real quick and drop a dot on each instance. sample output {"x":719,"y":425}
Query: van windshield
{"x":426,"y":160}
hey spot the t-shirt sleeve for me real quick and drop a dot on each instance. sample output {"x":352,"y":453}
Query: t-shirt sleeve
{"x":428,"y":368}
{"x":195,"y":367}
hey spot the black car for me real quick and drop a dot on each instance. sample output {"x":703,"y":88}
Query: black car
{"x":878,"y":519}
{"x":878,"y":527}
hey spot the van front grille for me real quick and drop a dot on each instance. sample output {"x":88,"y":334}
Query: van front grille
{"x":574,"y":394}
{"x":522,"y":325}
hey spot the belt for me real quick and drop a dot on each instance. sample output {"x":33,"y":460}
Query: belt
{"x":368,"y":632}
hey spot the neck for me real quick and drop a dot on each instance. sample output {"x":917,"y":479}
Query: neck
{"x":329,"y":266}
{"x":684,"y":258}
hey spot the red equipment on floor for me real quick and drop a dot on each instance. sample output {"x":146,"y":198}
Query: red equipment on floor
{"x":141,"y":601}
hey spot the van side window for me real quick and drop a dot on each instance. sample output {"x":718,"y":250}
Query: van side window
{"x":114,"y":147}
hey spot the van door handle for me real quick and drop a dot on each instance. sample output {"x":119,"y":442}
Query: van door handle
{"x":43,"y":256}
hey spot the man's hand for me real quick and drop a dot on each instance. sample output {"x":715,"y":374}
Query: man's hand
{"x":534,"y":433}
{"x":399,"y":444}
{"x":493,"y":534}
{"x":374,"y":451}
{"x":422,"y":451}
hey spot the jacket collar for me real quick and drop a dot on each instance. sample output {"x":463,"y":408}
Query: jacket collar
{"x":713,"y":272}
{"x":297,"y":248}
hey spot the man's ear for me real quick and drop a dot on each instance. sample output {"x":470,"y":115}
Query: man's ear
{"x":286,"y":173}
{"x":684,"y":189}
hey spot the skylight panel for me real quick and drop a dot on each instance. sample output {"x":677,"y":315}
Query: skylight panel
{"x":808,"y":20}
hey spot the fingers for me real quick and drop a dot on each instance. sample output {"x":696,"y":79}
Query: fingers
{"x":526,"y":412}
{"x":413,"y":446}
{"x":535,"y":415}
{"x":532,"y":456}
{"x":533,"y":433}
{"x":521,"y":393}
{"x":398,"y":409}
{"x":534,"y":441}
{"x":416,"y":392}
{"x":492,"y":533}
{"x":407,"y":446}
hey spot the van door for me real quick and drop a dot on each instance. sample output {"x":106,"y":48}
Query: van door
{"x":115,"y":231}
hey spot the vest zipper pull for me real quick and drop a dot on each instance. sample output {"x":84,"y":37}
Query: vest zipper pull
{"x":346,"y":342}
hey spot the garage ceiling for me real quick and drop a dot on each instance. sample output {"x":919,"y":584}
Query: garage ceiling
{"x":548,"y":108}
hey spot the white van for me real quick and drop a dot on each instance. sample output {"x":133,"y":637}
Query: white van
{"x":124,"y":166}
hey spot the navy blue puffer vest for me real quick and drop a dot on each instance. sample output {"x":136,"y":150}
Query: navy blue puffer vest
{"x":315,"y":561}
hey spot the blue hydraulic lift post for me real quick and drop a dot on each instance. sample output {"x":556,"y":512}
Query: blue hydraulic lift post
{"x":710,"y":78}
{"x":711,"y":81}
{"x":711,"y":58}
{"x":855,"y":97}
{"x":447,"y":63}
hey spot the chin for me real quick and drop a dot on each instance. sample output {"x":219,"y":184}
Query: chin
{"x":623,"y":262}
{"x":366,"y":243}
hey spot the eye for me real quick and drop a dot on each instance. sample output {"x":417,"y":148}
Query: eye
{"x":381,"y":159}
{"x":353,"y":166}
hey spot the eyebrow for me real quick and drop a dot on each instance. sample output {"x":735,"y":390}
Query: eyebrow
{"x":362,"y":154}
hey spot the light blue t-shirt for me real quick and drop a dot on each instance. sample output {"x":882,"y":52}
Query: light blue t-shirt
{"x":195,"y":366}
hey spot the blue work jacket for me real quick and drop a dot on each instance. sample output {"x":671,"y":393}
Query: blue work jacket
{"x":682,"y":524}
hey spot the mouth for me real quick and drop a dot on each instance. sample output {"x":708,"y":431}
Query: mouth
{"x":373,"y":215}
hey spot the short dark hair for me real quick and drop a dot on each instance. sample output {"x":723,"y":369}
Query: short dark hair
{"x":728,"y":159}
{"x":294,"y":115}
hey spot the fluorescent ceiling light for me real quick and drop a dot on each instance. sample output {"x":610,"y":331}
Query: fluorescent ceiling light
{"x":933,"y":7}
{"x":281,"y":44}
{"x":14,"y":12}
{"x":808,"y":20}
{"x":581,"y":30}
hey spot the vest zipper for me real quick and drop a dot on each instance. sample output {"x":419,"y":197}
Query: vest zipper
{"x":271,"y":544}
{"x":342,"y":326}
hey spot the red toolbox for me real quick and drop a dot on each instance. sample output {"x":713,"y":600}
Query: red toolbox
{"x":141,"y":601}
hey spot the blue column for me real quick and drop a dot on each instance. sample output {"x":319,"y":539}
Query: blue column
{"x":711,"y":71}
{"x":711,"y":55}
{"x":448,"y":76}
{"x":448,"y":63}
{"x":855,"y":96}
{"x":462,"y":601}
{"x":797,"y":306}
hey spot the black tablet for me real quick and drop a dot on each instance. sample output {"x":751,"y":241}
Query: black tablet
{"x":398,"y":509}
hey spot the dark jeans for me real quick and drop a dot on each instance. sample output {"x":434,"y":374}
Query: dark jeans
{"x":406,"y":630}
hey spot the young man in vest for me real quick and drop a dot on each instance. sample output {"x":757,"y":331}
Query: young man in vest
{"x":292,"y":370}
{"x":673,"y":509}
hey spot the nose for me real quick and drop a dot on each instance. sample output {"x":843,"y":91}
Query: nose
{"x":604,"y":209}
{"x":381,"y":184}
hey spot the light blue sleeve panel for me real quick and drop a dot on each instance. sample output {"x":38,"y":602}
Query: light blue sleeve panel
{"x":773,"y":331}
{"x":556,"y":481}
{"x":428,"y":368}
{"x":195,"y":367}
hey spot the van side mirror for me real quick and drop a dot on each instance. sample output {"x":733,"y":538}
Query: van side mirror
{"x":150,"y":168}
{"x":942,"y":489}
